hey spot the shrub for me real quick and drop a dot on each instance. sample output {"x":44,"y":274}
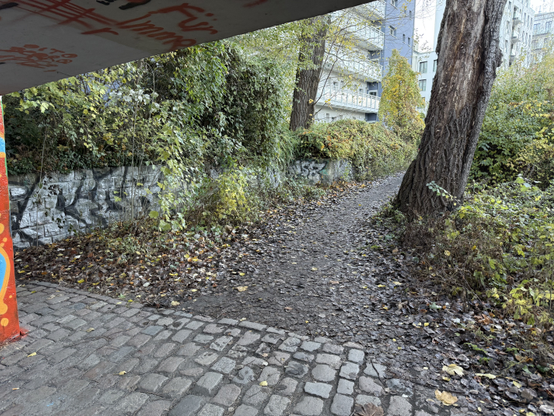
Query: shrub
{"x":211,"y":103}
{"x":372,"y":149}
{"x":500,"y":245}
{"x":518,"y":130}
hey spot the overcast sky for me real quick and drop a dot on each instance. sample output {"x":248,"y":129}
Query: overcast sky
{"x":425,"y":18}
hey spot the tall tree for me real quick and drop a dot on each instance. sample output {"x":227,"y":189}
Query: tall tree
{"x":401,"y":98}
{"x":468,"y":55}
{"x":310,"y":58}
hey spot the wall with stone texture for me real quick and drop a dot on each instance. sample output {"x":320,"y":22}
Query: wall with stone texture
{"x":325,"y":171}
{"x":53,"y":209}
{"x":43,"y":212}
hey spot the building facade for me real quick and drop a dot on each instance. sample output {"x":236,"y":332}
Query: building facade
{"x":543,"y":35}
{"x":350,"y":85}
{"x":515,"y":42}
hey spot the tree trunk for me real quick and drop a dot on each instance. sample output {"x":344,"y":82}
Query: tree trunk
{"x":310,"y":60}
{"x":468,"y":55}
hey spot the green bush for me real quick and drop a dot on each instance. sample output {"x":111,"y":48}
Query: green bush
{"x":210,"y":104}
{"x":517,"y":136}
{"x":500,"y":244}
{"x":372,"y":149}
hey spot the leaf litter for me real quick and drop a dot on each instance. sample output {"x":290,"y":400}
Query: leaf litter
{"x":354,"y":284}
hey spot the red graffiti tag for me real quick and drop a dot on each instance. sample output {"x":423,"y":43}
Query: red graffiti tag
{"x":255,"y":3}
{"x":66,"y":12}
{"x":36,"y":57}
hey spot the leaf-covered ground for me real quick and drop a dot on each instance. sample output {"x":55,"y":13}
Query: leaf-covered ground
{"x":319,"y":268}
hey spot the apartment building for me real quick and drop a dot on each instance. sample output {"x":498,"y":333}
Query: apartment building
{"x":515,"y":42}
{"x":347,"y":68}
{"x":350,"y":85}
{"x":543,"y":35}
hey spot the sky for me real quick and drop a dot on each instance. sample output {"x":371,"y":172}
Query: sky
{"x":425,"y":18}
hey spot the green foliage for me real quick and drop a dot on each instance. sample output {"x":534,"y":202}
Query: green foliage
{"x":226,"y":199}
{"x":188,"y":111}
{"x":372,"y":149}
{"x":500,"y":244}
{"x":401,"y":98}
{"x":206,"y":104}
{"x":518,"y":130}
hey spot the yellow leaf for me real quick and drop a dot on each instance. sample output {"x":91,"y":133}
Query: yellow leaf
{"x":242,"y":288}
{"x":426,"y":324}
{"x":175,"y":303}
{"x":194,"y":290}
{"x":263,"y":384}
{"x":122,"y":373}
{"x":446,"y":398}
{"x":81,"y":281}
{"x":518,"y":385}
{"x":90,"y":329}
{"x":446,"y":253}
{"x":242,"y":274}
{"x":314,"y":269}
{"x":32,"y":354}
{"x":453,"y":369}
{"x":381,"y":286}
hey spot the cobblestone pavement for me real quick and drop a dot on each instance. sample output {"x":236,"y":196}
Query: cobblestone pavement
{"x":88,"y":354}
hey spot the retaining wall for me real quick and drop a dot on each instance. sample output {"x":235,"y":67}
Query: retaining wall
{"x":52,"y":209}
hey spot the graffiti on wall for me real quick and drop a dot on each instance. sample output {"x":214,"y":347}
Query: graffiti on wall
{"x":309,"y":169}
{"x":54,"y":208}
{"x":321,"y":171}
{"x":9,"y":321}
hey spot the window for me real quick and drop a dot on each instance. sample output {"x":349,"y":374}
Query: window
{"x":394,"y":3}
{"x":422,"y":84}
{"x":548,"y":27}
{"x":404,"y":38}
{"x":408,"y":41}
{"x":392,"y":30}
{"x":435,"y":65}
{"x":537,"y":28}
{"x":410,"y":15}
{"x":374,"y":93}
{"x":423,"y":67}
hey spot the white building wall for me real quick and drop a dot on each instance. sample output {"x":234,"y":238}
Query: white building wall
{"x":515,"y":42}
{"x":342,"y":92}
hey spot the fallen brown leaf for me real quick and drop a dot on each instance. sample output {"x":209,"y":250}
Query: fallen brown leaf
{"x":370,"y":410}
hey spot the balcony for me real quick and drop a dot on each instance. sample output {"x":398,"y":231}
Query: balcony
{"x":372,"y":11}
{"x":516,"y":37}
{"x":362,"y":69}
{"x":367,"y":36}
{"x":517,"y":19}
{"x":347,"y":100}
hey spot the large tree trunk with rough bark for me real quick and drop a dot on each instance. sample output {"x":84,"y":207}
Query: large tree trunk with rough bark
{"x":468,"y":56}
{"x":310,"y":59}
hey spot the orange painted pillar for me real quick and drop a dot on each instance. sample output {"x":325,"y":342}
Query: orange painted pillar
{"x":9,"y":320}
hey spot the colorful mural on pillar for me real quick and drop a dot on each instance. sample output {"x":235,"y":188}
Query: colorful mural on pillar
{"x":9,"y":321}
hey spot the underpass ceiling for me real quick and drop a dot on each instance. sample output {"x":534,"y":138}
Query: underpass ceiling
{"x":46,"y":40}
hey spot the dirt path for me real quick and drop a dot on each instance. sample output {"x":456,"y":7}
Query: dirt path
{"x":325,"y":273}
{"x":307,"y":269}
